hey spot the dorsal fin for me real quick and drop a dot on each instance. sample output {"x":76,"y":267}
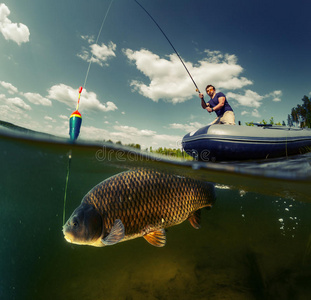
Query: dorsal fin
{"x":116,"y":234}
{"x":156,"y":238}
{"x":195,"y":219}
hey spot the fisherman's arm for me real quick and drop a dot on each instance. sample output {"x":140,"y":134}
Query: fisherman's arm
{"x":221,"y":103}
{"x":203,"y":103}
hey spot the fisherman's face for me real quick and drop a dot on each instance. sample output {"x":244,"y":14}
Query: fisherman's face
{"x":210,"y":91}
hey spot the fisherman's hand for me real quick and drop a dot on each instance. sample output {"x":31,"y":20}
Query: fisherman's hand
{"x":203,"y":104}
{"x":209,"y":109}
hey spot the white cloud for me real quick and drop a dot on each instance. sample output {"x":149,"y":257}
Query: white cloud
{"x":16,"y":32}
{"x":144,"y":137}
{"x":255,"y":113}
{"x":249,"y":99}
{"x":69,"y":96}
{"x":99,"y":54}
{"x":276,"y":96}
{"x":15,"y":104}
{"x":18,"y":102}
{"x":244,"y":113}
{"x":10,"y":113}
{"x":192,"y":126}
{"x":5,"y":110}
{"x":170,"y":81}
{"x":166,"y":140}
{"x":131,"y":135}
{"x":89,"y":38}
{"x":93,"y":133}
{"x":34,"y":98}
{"x":55,"y":127}
{"x":84,"y":55}
{"x":253,"y":99}
{"x":37,"y":99}
{"x":9,"y":87}
{"x":14,"y":110}
{"x":134,"y":131}
{"x":48,"y":118}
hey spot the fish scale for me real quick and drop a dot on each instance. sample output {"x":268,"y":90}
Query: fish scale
{"x":137,"y":203}
{"x":148,"y":200}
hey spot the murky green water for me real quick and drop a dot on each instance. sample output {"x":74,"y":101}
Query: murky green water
{"x":255,"y":243}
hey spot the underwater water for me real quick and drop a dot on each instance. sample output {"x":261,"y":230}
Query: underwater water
{"x":255,"y":243}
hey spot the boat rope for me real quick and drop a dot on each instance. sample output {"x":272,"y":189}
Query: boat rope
{"x":66,"y":185}
{"x":197,"y":89}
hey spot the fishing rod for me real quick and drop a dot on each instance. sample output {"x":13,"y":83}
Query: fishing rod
{"x":197,"y":89}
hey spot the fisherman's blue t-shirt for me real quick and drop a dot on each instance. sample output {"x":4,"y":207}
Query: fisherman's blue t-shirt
{"x":213,"y":102}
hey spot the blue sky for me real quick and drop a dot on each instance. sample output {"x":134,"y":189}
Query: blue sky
{"x":137,"y":91}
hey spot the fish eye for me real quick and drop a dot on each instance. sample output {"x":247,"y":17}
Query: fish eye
{"x":75,"y":223}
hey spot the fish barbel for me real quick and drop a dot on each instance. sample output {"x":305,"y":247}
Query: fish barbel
{"x":139,"y":203}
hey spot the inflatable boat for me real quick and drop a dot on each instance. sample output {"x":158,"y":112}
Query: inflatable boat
{"x":234,"y":142}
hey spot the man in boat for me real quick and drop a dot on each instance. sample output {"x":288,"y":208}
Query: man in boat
{"x":219,"y":104}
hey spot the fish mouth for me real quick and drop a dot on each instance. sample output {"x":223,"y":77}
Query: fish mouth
{"x":68,"y":239}
{"x":66,"y":235}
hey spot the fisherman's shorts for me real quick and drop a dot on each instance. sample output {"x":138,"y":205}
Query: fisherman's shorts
{"x":227,"y":118}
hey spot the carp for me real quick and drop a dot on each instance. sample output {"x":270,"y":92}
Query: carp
{"x":137,"y":203}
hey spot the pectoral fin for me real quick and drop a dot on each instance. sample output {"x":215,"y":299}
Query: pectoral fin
{"x":156,"y":238}
{"x":195,"y":219}
{"x":116,"y":234}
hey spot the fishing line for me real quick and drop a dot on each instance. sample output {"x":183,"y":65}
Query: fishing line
{"x":197,"y":89}
{"x":100,"y":30}
{"x":76,"y":118}
{"x":66,"y":185}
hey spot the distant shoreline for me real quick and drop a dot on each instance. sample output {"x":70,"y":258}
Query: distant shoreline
{"x":14,"y":127}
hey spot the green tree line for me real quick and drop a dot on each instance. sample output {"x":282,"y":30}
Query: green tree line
{"x":264,"y":122}
{"x":162,"y":150}
{"x":171,"y":152}
{"x":301,"y":115}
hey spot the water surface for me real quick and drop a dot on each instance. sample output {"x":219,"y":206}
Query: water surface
{"x":255,"y":243}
